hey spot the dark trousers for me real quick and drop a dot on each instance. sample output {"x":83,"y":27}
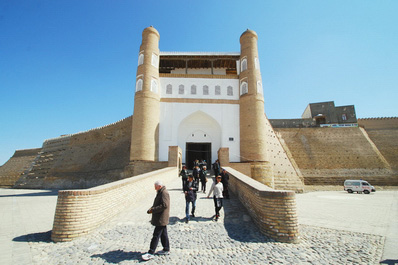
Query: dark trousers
{"x":217,"y":205}
{"x":160,"y":232}
{"x":203,"y":185}
{"x":183,"y":183}
{"x":225,"y":192}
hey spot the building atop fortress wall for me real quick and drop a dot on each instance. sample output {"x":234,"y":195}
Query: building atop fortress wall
{"x":320,"y":114}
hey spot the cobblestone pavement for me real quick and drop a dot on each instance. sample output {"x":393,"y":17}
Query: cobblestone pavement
{"x":234,"y":239}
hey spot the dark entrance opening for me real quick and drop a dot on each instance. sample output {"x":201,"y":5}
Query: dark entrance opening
{"x":199,"y":151}
{"x":320,"y":119}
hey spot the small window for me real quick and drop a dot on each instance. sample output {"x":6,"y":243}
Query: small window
{"x":230,"y":91}
{"x":256,"y":63}
{"x":193,"y":90}
{"x":205,"y":90}
{"x":218,"y":90}
{"x":141,"y":59}
{"x":231,"y":139}
{"x":155,"y":60}
{"x":259,"y":87}
{"x":344,"y":117}
{"x":181,"y":90}
{"x":243,"y":88}
{"x":154,"y":86}
{"x":243,"y":65}
{"x":138,"y":85}
{"x":169,"y":89}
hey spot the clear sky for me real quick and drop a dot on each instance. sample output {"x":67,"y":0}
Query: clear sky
{"x":69,"y":65}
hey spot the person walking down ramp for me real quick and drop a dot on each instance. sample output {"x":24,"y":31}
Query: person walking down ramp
{"x":203,"y":178}
{"x":217,"y":187}
{"x":190,"y":190}
{"x":184,"y":176}
{"x":160,"y":219}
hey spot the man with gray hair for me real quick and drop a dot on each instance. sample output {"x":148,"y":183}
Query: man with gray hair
{"x":160,"y":211}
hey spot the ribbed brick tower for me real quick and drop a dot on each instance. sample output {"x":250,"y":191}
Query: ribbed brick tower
{"x":145,"y":130}
{"x":253,"y":142}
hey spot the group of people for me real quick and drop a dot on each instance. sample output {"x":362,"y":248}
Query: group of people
{"x":160,"y":209}
{"x":190,"y":186}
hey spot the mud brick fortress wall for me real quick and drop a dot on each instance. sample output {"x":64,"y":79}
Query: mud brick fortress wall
{"x":79,"y":212}
{"x":384,"y":134}
{"x":21,"y":161}
{"x":81,"y":160}
{"x":324,"y":156}
{"x":285,"y":172}
{"x":273,"y":211}
{"x":328,"y":156}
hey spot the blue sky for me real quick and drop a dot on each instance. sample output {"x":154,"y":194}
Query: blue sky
{"x":68,"y":66}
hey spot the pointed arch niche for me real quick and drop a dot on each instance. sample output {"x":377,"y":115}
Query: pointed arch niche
{"x":199,"y":127}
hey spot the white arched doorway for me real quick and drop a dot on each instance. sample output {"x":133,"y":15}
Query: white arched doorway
{"x":199,"y":136}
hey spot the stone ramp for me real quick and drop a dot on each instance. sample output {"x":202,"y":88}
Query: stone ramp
{"x":234,"y":239}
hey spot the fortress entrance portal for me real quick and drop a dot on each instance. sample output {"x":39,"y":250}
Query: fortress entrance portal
{"x":200,"y":151}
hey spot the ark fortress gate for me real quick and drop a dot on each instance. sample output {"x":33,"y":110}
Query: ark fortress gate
{"x":197,"y":118}
{"x":196,"y":97}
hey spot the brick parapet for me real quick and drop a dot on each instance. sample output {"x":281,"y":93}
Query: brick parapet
{"x":273,"y":211}
{"x":79,"y":212}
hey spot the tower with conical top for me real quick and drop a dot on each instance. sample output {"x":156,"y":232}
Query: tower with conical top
{"x":253,"y":139}
{"x":145,"y":128}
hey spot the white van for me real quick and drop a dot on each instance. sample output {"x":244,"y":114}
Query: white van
{"x":358,"y":186}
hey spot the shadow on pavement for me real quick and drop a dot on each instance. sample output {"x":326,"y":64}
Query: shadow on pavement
{"x":175,"y":190}
{"x":239,"y":225}
{"x":34,"y":194}
{"x":35,"y":237}
{"x":174,"y":219}
{"x":117,"y":256}
{"x":389,"y":261}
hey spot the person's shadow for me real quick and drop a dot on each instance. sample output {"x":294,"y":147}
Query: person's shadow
{"x":389,"y":261}
{"x":117,"y":256}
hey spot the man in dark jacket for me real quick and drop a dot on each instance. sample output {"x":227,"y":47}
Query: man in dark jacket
{"x":160,"y":219}
{"x":216,"y":168}
{"x":184,"y":176}
{"x":225,"y":183}
{"x":195,"y":174}
{"x":190,"y":190}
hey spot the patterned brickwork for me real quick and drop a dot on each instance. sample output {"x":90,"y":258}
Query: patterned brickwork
{"x":145,"y":127}
{"x":274,"y":211}
{"x":79,"y":212}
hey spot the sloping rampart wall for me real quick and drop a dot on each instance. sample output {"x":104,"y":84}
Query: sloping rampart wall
{"x":384,"y":133}
{"x":81,"y":160}
{"x":328,"y":156}
{"x":286,"y":173}
{"x":12,"y":170}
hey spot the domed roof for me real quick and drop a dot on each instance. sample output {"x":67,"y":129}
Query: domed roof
{"x":249,"y":32}
{"x":151,"y":29}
